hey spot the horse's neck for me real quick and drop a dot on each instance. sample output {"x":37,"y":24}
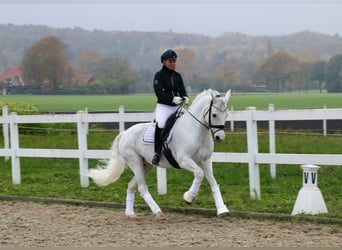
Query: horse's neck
{"x":194,"y":119}
{"x":199,"y":108}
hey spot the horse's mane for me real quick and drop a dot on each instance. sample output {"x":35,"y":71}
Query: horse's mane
{"x":201,"y":95}
{"x":204,"y":96}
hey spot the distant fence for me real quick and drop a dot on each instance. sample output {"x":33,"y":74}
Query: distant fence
{"x":252,"y":157}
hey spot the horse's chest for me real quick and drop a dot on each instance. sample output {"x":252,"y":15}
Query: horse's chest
{"x":205,"y":151}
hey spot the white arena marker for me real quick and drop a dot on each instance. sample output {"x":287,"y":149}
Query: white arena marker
{"x":309,"y":199}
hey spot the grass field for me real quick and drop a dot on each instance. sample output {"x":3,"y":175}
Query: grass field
{"x":147,"y":102}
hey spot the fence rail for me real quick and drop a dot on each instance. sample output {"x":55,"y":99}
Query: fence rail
{"x":252,"y":157}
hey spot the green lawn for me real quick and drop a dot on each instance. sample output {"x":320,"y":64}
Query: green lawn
{"x":147,"y":102}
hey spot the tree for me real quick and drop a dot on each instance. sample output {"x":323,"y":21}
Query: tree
{"x":334,"y":74}
{"x":318,"y":73}
{"x":116,"y":74}
{"x":226,"y":75}
{"x":186,"y":62}
{"x":87,"y":61}
{"x":45,"y":63}
{"x":277,"y":71}
{"x":301,"y":79}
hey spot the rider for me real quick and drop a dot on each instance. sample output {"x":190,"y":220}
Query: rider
{"x":170,"y":91}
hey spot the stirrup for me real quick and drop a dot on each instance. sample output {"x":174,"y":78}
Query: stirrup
{"x":156,"y":159}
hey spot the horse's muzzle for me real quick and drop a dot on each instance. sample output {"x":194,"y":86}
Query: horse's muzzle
{"x":218,"y":139}
{"x":219,"y":136}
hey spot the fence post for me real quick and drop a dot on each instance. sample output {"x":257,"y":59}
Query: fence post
{"x":121,"y":123}
{"x":82,"y":131}
{"x":14,"y":137}
{"x":271,"y":132}
{"x":5,"y":130}
{"x":324,"y":122}
{"x":252,"y":145}
{"x":232,"y":120}
{"x":161,"y":181}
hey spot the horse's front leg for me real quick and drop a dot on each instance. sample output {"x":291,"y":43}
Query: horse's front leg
{"x":190,"y":195}
{"x":221,"y":208}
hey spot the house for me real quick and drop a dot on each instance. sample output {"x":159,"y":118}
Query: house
{"x":78,"y":79}
{"x":12,"y":76}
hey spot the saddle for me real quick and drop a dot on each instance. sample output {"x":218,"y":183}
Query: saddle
{"x":166,"y":134}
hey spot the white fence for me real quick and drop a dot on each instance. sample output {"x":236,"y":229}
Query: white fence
{"x":252,"y":157}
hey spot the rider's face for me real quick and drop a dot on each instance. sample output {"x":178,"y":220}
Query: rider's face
{"x":170,"y":63}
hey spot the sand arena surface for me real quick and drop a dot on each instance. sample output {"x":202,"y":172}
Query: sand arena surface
{"x":39,"y":225}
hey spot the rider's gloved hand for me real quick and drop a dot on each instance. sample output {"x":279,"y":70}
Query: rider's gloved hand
{"x":177,"y":100}
{"x":186,"y":99}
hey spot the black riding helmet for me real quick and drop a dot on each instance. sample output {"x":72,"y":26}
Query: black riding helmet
{"x":168,"y":54}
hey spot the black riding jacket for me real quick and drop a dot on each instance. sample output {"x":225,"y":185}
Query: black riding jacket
{"x":167,"y":84}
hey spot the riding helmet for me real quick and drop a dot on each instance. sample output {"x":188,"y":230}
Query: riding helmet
{"x":168,"y":54}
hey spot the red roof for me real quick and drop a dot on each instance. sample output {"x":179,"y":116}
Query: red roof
{"x":11,"y":72}
{"x":15,"y":71}
{"x":80,"y":79}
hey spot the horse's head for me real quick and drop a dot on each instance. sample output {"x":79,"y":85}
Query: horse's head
{"x":217,"y":113}
{"x":213,"y":108}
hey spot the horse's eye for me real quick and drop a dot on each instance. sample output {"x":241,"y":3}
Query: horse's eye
{"x":214,"y":115}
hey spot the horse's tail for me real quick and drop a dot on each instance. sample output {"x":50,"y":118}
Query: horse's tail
{"x":109,"y":171}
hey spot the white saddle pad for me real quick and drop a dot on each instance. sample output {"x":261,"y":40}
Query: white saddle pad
{"x":148,"y":134}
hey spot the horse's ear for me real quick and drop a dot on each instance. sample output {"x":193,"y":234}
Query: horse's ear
{"x":212,"y":94}
{"x":227,"y":96}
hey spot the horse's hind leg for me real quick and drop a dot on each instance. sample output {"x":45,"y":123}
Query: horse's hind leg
{"x":138,"y":181}
{"x":132,"y":186}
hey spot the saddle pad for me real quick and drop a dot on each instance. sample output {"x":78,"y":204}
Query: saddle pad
{"x":148,"y":134}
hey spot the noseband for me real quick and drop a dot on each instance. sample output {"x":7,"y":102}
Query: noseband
{"x":214,"y":128}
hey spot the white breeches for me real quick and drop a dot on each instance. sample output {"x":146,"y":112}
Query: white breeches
{"x":163,"y":112}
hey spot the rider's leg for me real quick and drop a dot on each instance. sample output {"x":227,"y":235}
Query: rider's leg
{"x":162,"y":113}
{"x":157,"y":146}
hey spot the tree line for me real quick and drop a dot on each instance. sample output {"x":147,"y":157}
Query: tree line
{"x":124,"y":62}
{"x":46,"y":66}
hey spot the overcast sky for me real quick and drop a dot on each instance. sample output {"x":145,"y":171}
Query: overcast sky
{"x":211,"y":17}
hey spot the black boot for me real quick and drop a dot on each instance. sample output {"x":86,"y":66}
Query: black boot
{"x":157,"y":146}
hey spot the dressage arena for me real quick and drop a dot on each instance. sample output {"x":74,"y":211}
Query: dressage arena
{"x":42,"y":225}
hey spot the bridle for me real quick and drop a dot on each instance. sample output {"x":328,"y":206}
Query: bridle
{"x":213,"y":128}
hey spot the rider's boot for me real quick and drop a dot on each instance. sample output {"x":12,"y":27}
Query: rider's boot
{"x":157,"y":146}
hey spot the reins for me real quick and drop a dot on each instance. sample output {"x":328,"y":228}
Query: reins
{"x":210,"y":125}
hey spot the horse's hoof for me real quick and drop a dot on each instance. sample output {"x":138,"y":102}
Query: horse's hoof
{"x":223,"y":212}
{"x":132,"y":217}
{"x":159,"y":216}
{"x":223,"y":215}
{"x":188,"y":198}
